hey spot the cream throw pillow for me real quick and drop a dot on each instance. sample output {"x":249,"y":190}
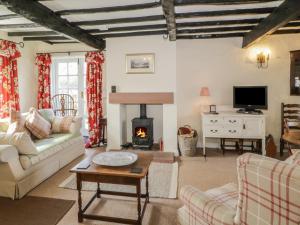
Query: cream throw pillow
{"x":37,"y":125}
{"x":294,"y":158}
{"x":21,"y":141}
{"x":16,"y":122}
{"x":62,"y":124}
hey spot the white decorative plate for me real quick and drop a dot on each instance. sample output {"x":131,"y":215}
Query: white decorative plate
{"x":115,"y":158}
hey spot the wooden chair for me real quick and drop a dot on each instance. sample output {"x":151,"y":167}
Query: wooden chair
{"x":290,"y":124}
{"x":63,"y":105}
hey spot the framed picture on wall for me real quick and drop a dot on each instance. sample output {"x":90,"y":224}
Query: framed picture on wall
{"x":140,"y":63}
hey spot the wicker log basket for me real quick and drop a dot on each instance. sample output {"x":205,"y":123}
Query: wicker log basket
{"x":187,"y":140}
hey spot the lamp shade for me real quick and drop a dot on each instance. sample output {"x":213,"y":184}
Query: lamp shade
{"x":204,"y":91}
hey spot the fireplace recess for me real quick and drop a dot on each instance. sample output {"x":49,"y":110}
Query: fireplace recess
{"x":142,"y":130}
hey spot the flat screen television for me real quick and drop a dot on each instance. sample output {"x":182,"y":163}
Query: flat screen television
{"x":250,"y":98}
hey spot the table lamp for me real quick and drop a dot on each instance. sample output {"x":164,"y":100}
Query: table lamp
{"x":204,"y":92}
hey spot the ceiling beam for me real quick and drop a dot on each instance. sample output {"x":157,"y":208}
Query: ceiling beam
{"x":219,"y":2}
{"x":287,"y":31}
{"x":45,"y":38}
{"x":287,"y":11}
{"x":226,"y":12}
{"x":208,"y":36}
{"x":32,"y":33}
{"x":9,"y":16}
{"x":169,"y":12}
{"x":109,"y":9}
{"x":218,"y":23}
{"x":38,"y":13}
{"x":131,"y":34}
{"x":134,"y":28}
{"x":215,"y":29}
{"x":23,"y":25}
{"x":119,"y":20}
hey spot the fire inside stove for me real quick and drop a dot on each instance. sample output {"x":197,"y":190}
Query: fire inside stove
{"x":141,"y":132}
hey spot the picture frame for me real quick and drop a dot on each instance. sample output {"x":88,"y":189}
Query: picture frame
{"x":142,"y":63}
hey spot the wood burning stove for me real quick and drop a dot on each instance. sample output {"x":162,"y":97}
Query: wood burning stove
{"x":142,"y":130}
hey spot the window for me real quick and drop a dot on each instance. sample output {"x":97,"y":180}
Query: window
{"x":69,"y":77}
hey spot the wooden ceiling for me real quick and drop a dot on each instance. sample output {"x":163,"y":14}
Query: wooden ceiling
{"x":92,"y":21}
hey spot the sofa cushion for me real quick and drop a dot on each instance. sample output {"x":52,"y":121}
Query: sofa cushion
{"x":37,"y":125}
{"x":62,"y":124}
{"x":21,"y":140}
{"x":47,"y":114}
{"x":47,"y":147}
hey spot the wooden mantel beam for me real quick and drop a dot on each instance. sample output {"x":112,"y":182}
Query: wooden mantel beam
{"x":38,"y":13}
{"x":287,"y":11}
{"x":169,"y":12}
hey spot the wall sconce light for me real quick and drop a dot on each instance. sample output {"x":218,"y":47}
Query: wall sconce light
{"x":262,"y":58}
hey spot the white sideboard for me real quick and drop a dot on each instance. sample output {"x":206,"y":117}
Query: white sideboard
{"x":233,"y":125}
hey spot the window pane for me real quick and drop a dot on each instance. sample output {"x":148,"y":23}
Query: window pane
{"x":62,"y":82}
{"x":62,"y":69}
{"x":74,"y":94}
{"x":73,"y":81}
{"x":63,"y":91}
{"x":84,"y":68}
{"x":73,"y":68}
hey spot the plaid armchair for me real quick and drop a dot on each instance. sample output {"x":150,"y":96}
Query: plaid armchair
{"x":268,"y":192}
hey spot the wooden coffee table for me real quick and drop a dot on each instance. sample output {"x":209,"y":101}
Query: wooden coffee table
{"x":114,"y":175}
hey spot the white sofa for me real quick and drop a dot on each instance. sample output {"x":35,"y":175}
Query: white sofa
{"x":21,"y":173}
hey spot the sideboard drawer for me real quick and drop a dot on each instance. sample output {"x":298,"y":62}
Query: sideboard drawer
{"x":213,"y":131}
{"x":232,"y":131}
{"x":233,"y":121}
{"x":213,"y":120}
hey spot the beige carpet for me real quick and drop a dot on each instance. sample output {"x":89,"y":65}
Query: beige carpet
{"x":163,"y":182}
{"x":216,"y":171}
{"x":33,"y":211}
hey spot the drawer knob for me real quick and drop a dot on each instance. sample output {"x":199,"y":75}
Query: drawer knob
{"x":232,"y":131}
{"x":232,"y":121}
{"x":213,"y":121}
{"x":214,"y":131}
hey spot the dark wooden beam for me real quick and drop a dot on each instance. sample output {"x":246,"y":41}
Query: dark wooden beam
{"x":23,"y":25}
{"x":42,"y":15}
{"x":133,"y":28}
{"x":287,"y":11}
{"x":218,"y":23}
{"x":63,"y":42}
{"x":252,"y":11}
{"x":208,"y":36}
{"x":120,"y":20}
{"x":219,"y":2}
{"x":109,"y":9}
{"x":214,"y":29}
{"x":169,"y":12}
{"x":287,"y":31}
{"x":45,"y":38}
{"x":131,"y":34}
{"x":32,"y":33}
{"x":9,"y":16}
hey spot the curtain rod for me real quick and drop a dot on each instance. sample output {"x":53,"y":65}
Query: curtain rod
{"x":21,"y":44}
{"x":68,"y":52}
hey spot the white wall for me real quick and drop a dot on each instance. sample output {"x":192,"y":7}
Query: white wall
{"x":163,"y":80}
{"x":27,"y":89}
{"x":222,"y":63}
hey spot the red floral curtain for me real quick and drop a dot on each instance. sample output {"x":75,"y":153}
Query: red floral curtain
{"x":9,"y":86}
{"x":94,"y":62}
{"x":43,"y":61}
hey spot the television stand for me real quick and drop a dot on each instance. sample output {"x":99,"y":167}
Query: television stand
{"x":250,"y":111}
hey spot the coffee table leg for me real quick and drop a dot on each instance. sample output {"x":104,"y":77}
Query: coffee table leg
{"x":138,"y":191}
{"x":98,"y":190}
{"x":147,"y":189}
{"x":79,"y":187}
